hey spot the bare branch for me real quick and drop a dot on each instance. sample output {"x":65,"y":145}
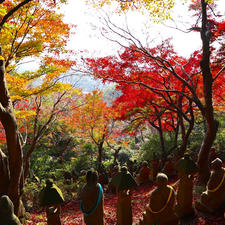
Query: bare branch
{"x":218,"y":73}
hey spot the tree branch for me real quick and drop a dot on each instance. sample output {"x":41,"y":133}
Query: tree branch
{"x":13,"y":10}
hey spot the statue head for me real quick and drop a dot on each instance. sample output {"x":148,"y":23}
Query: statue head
{"x":161,"y":180}
{"x":123,"y":169}
{"x":145,"y":163}
{"x":49,"y":182}
{"x":216,"y":164}
{"x":6,"y":206}
{"x":186,"y":155}
{"x":91,"y":177}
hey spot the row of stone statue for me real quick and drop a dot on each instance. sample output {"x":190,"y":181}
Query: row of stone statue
{"x":165,"y":206}
{"x":160,"y":210}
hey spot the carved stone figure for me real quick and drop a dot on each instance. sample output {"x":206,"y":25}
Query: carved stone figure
{"x":144,"y":173}
{"x":160,"y":209}
{"x":7,"y":216}
{"x":213,"y":198}
{"x":92,"y":200}
{"x":186,"y":167}
{"x":124,"y":183}
{"x":51,"y":198}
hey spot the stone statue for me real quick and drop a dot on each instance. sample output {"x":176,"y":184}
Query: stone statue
{"x":186,"y":167}
{"x":160,"y":209}
{"x":7,"y":216}
{"x":124,"y":183}
{"x":144,"y":172}
{"x":169,"y":167}
{"x":51,"y":198}
{"x":92,"y":200}
{"x":213,"y":198}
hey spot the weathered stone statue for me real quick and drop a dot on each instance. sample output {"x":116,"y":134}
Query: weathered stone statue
{"x":124,"y":183}
{"x":214,"y":197}
{"x":92,"y":200}
{"x":144,"y":173}
{"x":169,"y":167}
{"x":7,"y":216}
{"x":51,"y":198}
{"x":186,"y":167}
{"x":160,"y":209}
{"x":130,"y":167}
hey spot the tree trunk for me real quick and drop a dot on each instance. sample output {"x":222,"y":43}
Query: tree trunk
{"x":100,"y":149}
{"x":164,"y":156}
{"x":203,"y":155}
{"x":15,"y":154}
{"x":116,"y":154}
{"x":27,"y":159}
{"x":4,"y":171}
{"x":185,"y":135}
{"x":212,"y":124}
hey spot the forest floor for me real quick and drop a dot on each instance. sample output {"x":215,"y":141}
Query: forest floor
{"x":71,"y":214}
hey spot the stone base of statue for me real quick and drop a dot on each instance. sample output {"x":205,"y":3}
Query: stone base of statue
{"x":159,"y":219}
{"x":124,"y":210}
{"x":182,"y":211}
{"x":53,"y":215}
{"x":184,"y":207}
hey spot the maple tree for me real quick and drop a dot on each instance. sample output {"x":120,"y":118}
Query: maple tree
{"x":24,"y":33}
{"x":15,"y":7}
{"x":39,"y":32}
{"x":44,"y":111}
{"x":153,"y":68}
{"x":94,"y":121}
{"x":166,"y":113}
{"x":143,"y":97}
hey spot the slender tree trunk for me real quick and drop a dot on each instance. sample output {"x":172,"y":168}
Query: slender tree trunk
{"x":186,"y":135}
{"x":116,"y":154}
{"x":160,"y":132}
{"x":15,"y":154}
{"x":27,"y":159}
{"x":162,"y":144}
{"x":212,"y":124}
{"x":100,"y":149}
{"x":203,"y":155}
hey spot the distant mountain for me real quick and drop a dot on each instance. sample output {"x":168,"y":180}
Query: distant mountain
{"x":88,"y":83}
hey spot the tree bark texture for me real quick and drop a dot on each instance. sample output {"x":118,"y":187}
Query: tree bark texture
{"x":212,"y":124}
{"x":15,"y":155}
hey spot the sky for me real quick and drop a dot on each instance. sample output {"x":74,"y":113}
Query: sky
{"x":88,"y":40}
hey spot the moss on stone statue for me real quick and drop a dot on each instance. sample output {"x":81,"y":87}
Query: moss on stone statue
{"x":124,"y":180}
{"x":186,"y":165}
{"x":7,"y":216}
{"x":50,"y":195}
